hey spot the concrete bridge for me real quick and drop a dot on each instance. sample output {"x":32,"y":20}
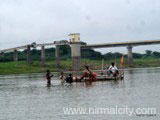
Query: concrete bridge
{"x":128,"y":45}
{"x":76,"y":47}
{"x":34,"y":45}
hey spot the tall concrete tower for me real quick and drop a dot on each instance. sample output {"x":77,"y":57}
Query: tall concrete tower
{"x":76,"y":51}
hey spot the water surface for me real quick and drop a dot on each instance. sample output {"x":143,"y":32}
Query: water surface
{"x":26,"y":97}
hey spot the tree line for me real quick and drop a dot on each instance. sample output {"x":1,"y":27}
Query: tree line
{"x":65,"y":53}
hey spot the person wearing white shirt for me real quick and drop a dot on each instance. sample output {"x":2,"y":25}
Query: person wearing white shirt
{"x":113,"y":70}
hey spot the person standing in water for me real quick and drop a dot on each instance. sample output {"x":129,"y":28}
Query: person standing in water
{"x":88,"y":73}
{"x":62,"y":77}
{"x":48,"y":77}
{"x":69,"y":79}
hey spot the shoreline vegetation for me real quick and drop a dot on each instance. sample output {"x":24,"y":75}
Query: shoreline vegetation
{"x":22,"y":67}
{"x":88,"y":57}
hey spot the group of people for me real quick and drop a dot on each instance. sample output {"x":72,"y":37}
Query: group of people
{"x":111,"y":71}
{"x":68,"y":79}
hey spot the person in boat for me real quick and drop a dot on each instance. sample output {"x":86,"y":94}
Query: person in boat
{"x":62,"y":77}
{"x":113,"y":70}
{"x":49,"y":75}
{"x":69,"y":79}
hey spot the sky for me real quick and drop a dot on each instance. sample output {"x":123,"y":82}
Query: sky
{"x":98,"y":21}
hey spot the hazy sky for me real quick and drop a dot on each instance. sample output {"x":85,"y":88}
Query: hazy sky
{"x":98,"y":21}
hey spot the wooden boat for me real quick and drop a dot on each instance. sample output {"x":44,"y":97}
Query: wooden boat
{"x":99,"y":78}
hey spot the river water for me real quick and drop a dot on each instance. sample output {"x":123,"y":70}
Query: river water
{"x":26,"y":97}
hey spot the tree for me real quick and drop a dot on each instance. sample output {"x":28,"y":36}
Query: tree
{"x":90,"y":53}
{"x":156,"y":54}
{"x":137,"y":55}
{"x":148,"y":53}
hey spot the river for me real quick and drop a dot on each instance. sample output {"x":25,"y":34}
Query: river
{"x":26,"y":97}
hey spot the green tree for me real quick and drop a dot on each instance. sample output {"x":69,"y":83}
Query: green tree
{"x":156,"y":54}
{"x":148,"y":53}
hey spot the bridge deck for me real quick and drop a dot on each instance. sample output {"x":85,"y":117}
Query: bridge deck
{"x":122,"y":44}
{"x":105,"y":45}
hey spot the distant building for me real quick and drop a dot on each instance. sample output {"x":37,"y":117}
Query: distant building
{"x":74,"y":37}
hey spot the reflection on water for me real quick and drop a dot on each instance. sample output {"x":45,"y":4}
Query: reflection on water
{"x":27,"y":97}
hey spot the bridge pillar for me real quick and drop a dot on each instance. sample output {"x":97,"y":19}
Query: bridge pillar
{"x":130,"y":56}
{"x":29,"y":60}
{"x":76,"y":56}
{"x":43,"y":58}
{"x":15,"y":55}
{"x":76,"y":51}
{"x":57,"y":56}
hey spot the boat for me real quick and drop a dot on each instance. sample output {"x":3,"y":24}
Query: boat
{"x":102,"y":77}
{"x":99,"y":78}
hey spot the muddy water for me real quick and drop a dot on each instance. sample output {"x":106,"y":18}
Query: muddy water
{"x":26,"y":97}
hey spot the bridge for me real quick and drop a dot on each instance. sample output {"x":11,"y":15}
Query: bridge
{"x":128,"y":44}
{"x":34,"y":45}
{"x":122,"y":44}
{"x":75,"y":49}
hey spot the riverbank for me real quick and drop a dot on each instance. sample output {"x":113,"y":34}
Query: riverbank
{"x":21,"y":67}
